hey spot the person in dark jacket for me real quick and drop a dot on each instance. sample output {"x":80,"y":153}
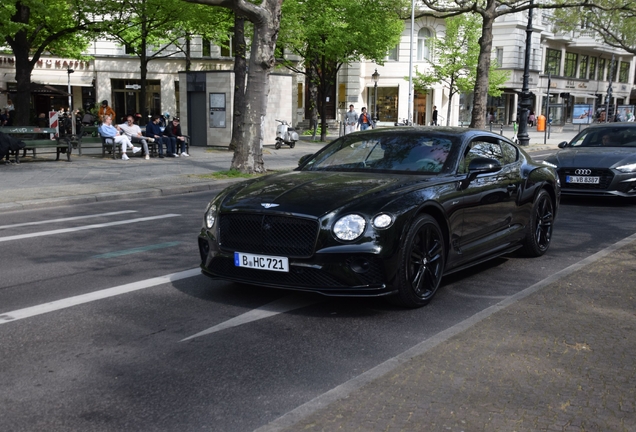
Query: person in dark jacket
{"x":173,"y":130}
{"x":153,"y":130}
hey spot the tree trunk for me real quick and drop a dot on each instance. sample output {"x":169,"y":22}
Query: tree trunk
{"x":480,"y":98}
{"x":248,"y":157}
{"x":240,"y":70}
{"x":21,"y":48}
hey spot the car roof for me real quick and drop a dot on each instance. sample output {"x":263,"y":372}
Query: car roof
{"x":457,"y":131}
{"x":613,"y":125}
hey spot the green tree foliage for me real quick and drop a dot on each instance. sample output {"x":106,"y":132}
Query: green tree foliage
{"x":155,"y":29}
{"x":31,"y":28}
{"x":489,"y":10}
{"x":613,"y":20}
{"x":329,"y":33}
{"x":455,"y":60}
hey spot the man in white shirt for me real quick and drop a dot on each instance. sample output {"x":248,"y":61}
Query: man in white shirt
{"x":133,"y":132}
{"x":351,"y":120}
{"x":109,"y":131}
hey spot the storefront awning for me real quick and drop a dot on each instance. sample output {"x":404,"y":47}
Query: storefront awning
{"x":583,"y":95}
{"x":77,"y":79}
{"x":47,"y":90}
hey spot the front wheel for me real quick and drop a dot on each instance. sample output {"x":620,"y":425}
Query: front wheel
{"x":539,"y":231}
{"x":422,"y":262}
{"x":277,"y":145}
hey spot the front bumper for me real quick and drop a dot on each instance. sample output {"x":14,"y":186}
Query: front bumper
{"x":335,"y":274}
{"x":613,"y":184}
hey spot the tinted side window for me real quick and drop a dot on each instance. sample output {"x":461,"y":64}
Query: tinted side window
{"x":510,"y":153}
{"x":481,"y":149}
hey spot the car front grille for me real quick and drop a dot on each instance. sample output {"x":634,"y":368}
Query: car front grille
{"x":606,"y":177}
{"x":288,"y":236}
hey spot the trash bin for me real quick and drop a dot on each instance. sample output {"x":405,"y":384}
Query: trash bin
{"x":541,"y":123}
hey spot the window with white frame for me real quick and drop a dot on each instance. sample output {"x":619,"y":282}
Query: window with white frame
{"x":499,"y":56}
{"x":424,"y":42}
{"x":393,"y":53}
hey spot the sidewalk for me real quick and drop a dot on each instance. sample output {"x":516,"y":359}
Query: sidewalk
{"x":43,"y":182}
{"x":556,"y":357}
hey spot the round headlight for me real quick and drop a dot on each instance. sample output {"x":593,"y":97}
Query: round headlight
{"x":382,"y":220}
{"x":210,"y":216}
{"x":349,"y":227}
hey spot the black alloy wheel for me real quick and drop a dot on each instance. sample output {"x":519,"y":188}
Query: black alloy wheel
{"x":422,"y":261}
{"x":539,"y":231}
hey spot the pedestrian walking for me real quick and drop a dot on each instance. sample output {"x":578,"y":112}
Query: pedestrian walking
{"x":351,"y":120}
{"x":365,"y":121}
{"x":434,"y":122}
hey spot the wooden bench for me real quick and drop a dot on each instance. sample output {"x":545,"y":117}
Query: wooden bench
{"x":33,"y":140}
{"x":88,"y":136}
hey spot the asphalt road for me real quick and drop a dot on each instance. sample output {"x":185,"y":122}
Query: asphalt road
{"x":92,"y":338}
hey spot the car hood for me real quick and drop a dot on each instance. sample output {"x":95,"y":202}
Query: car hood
{"x":594,"y":157}
{"x":314,"y":193}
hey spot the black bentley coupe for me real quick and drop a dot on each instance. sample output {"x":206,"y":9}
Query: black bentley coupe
{"x":383,"y":212}
{"x":599,"y":161}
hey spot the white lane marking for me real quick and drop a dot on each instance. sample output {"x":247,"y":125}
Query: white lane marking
{"x":282,"y":305}
{"x":66,"y":219}
{"x":96,"y":295}
{"x":85,"y":227}
{"x":345,"y":389}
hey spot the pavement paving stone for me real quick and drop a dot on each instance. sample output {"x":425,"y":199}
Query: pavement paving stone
{"x":559,"y":360}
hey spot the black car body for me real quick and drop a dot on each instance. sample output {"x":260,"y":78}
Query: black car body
{"x":381,"y":212}
{"x":599,"y":161}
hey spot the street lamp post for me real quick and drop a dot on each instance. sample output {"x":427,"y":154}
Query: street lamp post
{"x":375,"y":77}
{"x":526,"y":96}
{"x":70,"y":101}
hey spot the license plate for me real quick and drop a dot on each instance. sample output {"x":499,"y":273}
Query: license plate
{"x":582,"y":179}
{"x":261,"y":262}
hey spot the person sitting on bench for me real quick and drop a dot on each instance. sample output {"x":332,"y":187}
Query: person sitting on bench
{"x":107,"y":130}
{"x":133,"y":132}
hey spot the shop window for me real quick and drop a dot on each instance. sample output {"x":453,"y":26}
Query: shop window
{"x":387,"y":103}
{"x":601,"y":69}
{"x":583,"y":66}
{"x":569,"y":69}
{"x":591,"y":73}
{"x":552,"y":61}
{"x":624,"y":72}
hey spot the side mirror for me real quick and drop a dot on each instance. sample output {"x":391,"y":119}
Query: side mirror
{"x":304,"y":159}
{"x":483,"y":165}
{"x":563,"y":144}
{"x":480,"y":166}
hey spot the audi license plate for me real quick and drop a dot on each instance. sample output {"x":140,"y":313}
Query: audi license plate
{"x":261,"y":262}
{"x":582,"y":179}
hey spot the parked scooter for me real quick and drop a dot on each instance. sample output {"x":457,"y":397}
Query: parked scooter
{"x":285,"y":135}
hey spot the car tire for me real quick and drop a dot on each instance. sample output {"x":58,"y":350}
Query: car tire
{"x":422,"y":260}
{"x":539,"y":231}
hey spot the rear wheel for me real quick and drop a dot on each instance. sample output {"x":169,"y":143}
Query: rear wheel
{"x":292,"y":144}
{"x":422,"y":261}
{"x":539,"y":231}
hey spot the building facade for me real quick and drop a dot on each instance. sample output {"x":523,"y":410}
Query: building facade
{"x":570,"y":70}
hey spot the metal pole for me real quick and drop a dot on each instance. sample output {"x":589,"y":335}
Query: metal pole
{"x":547,"y":110}
{"x":375,"y":102}
{"x":526,"y":97}
{"x":609,"y":90}
{"x":69,"y":71}
{"x":410,"y":110}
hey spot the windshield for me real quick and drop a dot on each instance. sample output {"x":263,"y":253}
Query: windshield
{"x":606,"y":137}
{"x":421,"y":153}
